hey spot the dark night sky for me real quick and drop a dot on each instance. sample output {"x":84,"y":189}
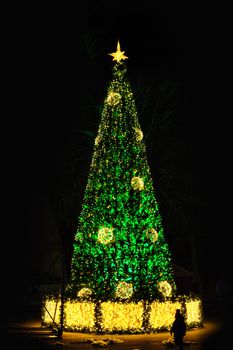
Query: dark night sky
{"x":56,"y":67}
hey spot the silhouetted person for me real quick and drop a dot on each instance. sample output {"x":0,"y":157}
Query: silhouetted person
{"x":178,"y":329}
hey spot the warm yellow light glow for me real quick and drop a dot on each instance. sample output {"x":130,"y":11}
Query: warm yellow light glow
{"x":84,"y":292}
{"x":124,"y":290}
{"x":51,"y":311}
{"x":152,"y":235}
{"x":79,"y":315}
{"x":118,"y":55}
{"x":122,"y":317}
{"x":105,"y":235}
{"x":164,"y":288}
{"x":193,"y":311}
{"x":137,"y":183}
{"x":162,"y":314}
{"x":97,"y":140}
{"x":113,"y":98}
{"x":139,"y":134}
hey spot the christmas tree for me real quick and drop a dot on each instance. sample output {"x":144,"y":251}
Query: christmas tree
{"x":120,"y":252}
{"x":121,"y":276}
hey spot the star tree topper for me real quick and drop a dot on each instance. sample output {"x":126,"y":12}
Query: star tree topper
{"x":118,"y":55}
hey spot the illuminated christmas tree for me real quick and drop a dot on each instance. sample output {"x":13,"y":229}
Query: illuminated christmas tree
{"x":120,"y":252}
{"x":121,"y":272}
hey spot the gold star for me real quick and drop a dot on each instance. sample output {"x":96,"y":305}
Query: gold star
{"x":118,"y":55}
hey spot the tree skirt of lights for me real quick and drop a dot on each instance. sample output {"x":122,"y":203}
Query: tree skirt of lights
{"x":121,"y":317}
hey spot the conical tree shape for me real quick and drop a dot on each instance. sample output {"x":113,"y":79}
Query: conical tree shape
{"x":120,"y":252}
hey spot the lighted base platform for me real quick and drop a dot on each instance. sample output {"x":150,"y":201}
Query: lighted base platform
{"x":118,"y":317}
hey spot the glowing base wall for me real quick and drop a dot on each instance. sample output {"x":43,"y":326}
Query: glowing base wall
{"x":117,"y":317}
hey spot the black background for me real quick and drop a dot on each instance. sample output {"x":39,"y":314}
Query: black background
{"x":55,"y":69}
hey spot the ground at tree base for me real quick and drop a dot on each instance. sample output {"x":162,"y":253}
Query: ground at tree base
{"x":30,"y":335}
